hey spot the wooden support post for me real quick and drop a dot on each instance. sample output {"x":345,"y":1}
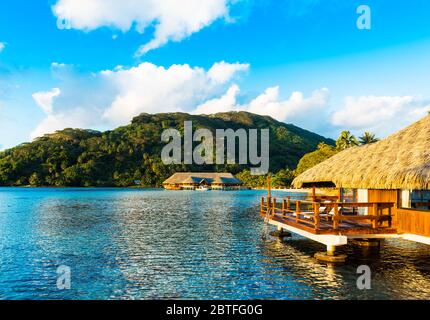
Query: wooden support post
{"x":376,"y":216}
{"x":336,"y":217}
{"x":330,"y":255}
{"x":284,"y":207}
{"x":298,"y":210}
{"x":317,"y":215}
{"x":390,"y":218}
{"x":340,"y":195}
{"x":314,"y":195}
{"x":289,"y":203}
{"x":274,"y":206}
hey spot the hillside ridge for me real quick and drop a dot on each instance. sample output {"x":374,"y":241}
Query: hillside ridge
{"x":130,"y":154}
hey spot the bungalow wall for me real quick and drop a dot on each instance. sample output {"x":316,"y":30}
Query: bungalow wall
{"x":172,"y":186}
{"x":406,"y":220}
{"x":413,"y":221}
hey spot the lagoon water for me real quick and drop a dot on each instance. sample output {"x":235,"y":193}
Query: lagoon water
{"x":153,"y":244}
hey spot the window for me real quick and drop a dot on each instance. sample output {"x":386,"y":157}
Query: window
{"x":415,"y":199}
{"x":349,"y":195}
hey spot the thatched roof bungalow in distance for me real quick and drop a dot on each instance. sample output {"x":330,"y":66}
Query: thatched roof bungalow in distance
{"x":193,"y":180}
{"x":396,"y":169}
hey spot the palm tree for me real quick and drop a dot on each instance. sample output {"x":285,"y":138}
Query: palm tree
{"x":346,"y":140}
{"x":368,"y":138}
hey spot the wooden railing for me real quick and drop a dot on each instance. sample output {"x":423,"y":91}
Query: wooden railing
{"x":333,"y":213}
{"x":326,"y":198}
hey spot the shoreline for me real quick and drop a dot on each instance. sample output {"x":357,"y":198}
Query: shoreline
{"x":284,"y":190}
{"x":139,"y":188}
{"x":68,"y":187}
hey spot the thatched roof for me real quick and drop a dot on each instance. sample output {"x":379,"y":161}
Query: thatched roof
{"x":191,"y":180}
{"x":198,"y":177}
{"x":401,"y":161}
{"x":219,"y":180}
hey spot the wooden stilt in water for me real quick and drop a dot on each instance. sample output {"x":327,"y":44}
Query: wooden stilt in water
{"x":269,"y":193}
{"x":331,"y":250}
{"x":281,"y":233}
{"x":330,"y":255}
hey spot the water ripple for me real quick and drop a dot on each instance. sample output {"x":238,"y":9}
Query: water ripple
{"x":133,"y":244}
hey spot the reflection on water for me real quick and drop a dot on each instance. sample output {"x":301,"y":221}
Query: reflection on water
{"x":133,"y":244}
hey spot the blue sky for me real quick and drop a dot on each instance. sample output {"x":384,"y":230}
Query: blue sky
{"x":300,"y":61}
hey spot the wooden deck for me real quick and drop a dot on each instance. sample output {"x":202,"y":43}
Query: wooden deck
{"x":322,"y":217}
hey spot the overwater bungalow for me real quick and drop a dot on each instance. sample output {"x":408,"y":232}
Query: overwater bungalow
{"x":383,"y":191}
{"x":195,"y":180}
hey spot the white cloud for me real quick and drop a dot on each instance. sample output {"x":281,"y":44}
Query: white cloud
{"x":223,"y":104}
{"x":380,"y":114}
{"x":173,"y":20}
{"x":113,"y":97}
{"x":222,"y":72}
{"x":76,"y":118}
{"x":2,"y":46}
{"x":287,"y":110}
{"x":45,"y":99}
{"x":297,"y":108}
{"x":149,"y":88}
{"x":73,"y":106}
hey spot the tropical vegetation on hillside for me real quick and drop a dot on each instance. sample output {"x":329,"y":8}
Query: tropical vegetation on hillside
{"x":367,"y":138}
{"x":130,"y":155}
{"x":324,"y":151}
{"x":284,"y":177}
{"x":346,"y":140}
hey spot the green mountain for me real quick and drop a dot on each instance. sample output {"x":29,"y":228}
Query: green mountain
{"x":75,"y":157}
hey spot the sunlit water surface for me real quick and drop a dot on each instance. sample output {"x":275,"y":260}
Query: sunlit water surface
{"x":152,"y":244}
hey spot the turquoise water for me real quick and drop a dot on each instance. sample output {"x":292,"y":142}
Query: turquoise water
{"x":152,"y":244}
